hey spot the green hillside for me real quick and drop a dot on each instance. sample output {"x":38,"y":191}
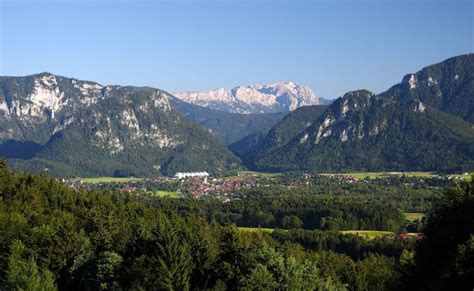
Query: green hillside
{"x":227,"y":127}
{"x":103,"y":131}
{"x":394,"y":131}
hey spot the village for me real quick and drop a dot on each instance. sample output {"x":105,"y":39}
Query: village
{"x":198,"y":185}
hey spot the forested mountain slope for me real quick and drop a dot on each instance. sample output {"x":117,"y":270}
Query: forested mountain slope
{"x":72,"y":127}
{"x":447,"y":86}
{"x":227,"y":127}
{"x":416,"y":125}
{"x":290,"y":126}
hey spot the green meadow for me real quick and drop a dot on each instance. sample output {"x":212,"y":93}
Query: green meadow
{"x":412,"y":216}
{"x":258,"y":174}
{"x":255,"y":229}
{"x":169,"y":194}
{"x":97,"y":180}
{"x":373,"y":175}
{"x":369,"y":234}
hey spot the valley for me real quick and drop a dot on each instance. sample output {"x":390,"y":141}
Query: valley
{"x":185,"y":145}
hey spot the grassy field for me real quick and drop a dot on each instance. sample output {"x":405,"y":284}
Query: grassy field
{"x":369,"y":234}
{"x":253,"y":229}
{"x":411,"y":216}
{"x":97,"y":180}
{"x":248,"y":174}
{"x":373,"y":175}
{"x":258,"y":174}
{"x":170,"y":194}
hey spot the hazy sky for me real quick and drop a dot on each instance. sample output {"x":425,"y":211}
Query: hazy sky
{"x":331,"y":46}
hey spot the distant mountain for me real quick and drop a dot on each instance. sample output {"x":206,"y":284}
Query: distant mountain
{"x":227,"y":127}
{"x":73,"y":127}
{"x":277,"y":97}
{"x":401,"y":129}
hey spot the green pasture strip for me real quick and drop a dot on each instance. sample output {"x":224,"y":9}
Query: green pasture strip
{"x":96,"y":180}
{"x":373,"y":175}
{"x":255,"y":229}
{"x":258,"y":174}
{"x":412,"y":216}
{"x":170,"y":194}
{"x":369,"y":234}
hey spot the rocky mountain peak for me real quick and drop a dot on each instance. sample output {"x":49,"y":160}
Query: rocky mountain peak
{"x":352,"y":101}
{"x":358,"y":95}
{"x":277,"y":97}
{"x":347,"y":118}
{"x":161,"y":101}
{"x":446,"y":86}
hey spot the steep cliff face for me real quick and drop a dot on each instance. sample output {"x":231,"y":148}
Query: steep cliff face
{"x":40,"y":106}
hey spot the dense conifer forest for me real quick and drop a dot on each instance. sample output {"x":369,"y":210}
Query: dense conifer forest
{"x":55,"y":238}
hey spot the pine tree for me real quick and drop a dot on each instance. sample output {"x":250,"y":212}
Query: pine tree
{"x":23,"y":273}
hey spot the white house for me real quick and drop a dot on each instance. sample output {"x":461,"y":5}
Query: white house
{"x":184,"y":175}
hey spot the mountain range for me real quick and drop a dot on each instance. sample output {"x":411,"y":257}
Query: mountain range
{"x":278,"y":97}
{"x":81,"y":128}
{"x":71,"y":127}
{"x":423,"y":123}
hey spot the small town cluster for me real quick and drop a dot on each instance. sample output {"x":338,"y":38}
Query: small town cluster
{"x":183,"y":184}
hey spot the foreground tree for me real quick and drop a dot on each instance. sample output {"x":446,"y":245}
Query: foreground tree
{"x":444,"y":259}
{"x":23,"y":273}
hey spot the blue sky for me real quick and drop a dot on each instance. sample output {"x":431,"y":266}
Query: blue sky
{"x":331,"y":46}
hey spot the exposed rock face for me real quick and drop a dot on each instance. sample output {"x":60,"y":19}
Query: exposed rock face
{"x":277,"y":97}
{"x":52,"y":102}
{"x":344,"y":118}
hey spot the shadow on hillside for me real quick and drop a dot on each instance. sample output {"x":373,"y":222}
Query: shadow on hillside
{"x":13,"y":149}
